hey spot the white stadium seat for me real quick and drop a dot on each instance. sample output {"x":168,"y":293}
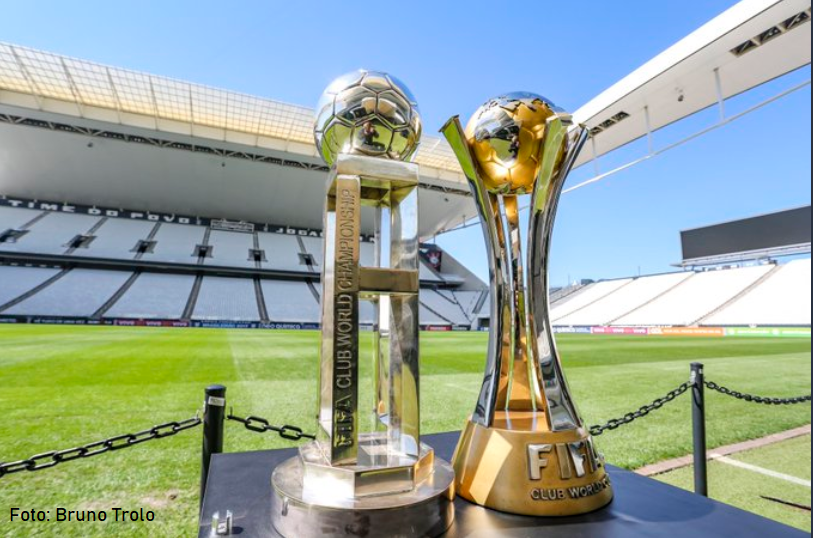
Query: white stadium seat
{"x":80,"y":293}
{"x":116,"y":238}
{"x":695,"y":298}
{"x":52,"y":233}
{"x":176,"y":243}
{"x":226,"y":298}
{"x":781,"y":299}
{"x":154,"y":296}
{"x":15,"y":281}
{"x":624,"y":299}
{"x":290,"y":301}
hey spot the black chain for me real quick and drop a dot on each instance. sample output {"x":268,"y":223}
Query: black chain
{"x":642,"y":411}
{"x":55,"y":457}
{"x":756,"y":399}
{"x":261,"y":425}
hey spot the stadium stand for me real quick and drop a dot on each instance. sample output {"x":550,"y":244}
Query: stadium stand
{"x":226,"y":298}
{"x":783,"y":298}
{"x":613,"y":305}
{"x":175,"y":243}
{"x":52,"y":233}
{"x":281,"y":252}
{"x":80,"y":293}
{"x":154,"y":296}
{"x":116,"y":238}
{"x":429,"y":317}
{"x":584,"y":297}
{"x":290,"y":301}
{"x":755,"y":295}
{"x":230,"y":249}
{"x":12,"y":218}
{"x":444,"y":306}
{"x":15,"y":281}
{"x":313,"y":247}
{"x":695,"y":298}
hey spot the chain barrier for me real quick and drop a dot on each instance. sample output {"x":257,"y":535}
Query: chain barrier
{"x":642,"y":411}
{"x":294,"y":433}
{"x":261,"y":425}
{"x":55,"y":457}
{"x":711,"y":385}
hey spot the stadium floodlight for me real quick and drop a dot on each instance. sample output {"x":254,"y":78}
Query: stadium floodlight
{"x":367,"y":469}
{"x":525,"y":449}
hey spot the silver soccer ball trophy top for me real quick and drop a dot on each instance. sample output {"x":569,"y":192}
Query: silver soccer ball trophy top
{"x":368,"y":113}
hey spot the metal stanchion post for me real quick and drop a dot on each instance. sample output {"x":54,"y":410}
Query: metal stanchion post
{"x":214,"y":410}
{"x":699,"y":430}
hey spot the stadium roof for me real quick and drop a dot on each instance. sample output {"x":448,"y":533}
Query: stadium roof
{"x":55,"y":83}
{"x":751,"y":43}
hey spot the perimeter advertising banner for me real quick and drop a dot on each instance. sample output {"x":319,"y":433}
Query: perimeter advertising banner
{"x":770,"y":332}
{"x":687,"y":331}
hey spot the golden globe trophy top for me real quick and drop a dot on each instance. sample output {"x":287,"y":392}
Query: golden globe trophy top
{"x":367,"y":473}
{"x":525,"y":449}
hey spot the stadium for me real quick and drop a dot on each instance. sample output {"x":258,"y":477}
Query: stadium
{"x":158,"y":235}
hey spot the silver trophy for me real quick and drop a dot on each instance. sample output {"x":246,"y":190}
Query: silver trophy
{"x":367,"y":473}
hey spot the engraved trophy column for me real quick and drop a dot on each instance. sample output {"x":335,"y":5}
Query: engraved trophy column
{"x":367,"y":473}
{"x":525,"y":449}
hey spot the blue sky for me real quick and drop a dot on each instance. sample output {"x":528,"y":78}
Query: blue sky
{"x":454,"y":56}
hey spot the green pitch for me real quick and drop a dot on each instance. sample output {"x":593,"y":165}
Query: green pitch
{"x":63,"y":386}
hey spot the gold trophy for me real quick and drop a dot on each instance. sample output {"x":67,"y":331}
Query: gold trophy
{"x":525,"y":449}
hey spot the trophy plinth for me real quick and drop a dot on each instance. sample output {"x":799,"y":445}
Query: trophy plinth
{"x":536,"y":473}
{"x":367,"y":473}
{"x":525,"y":449}
{"x":381,"y":495}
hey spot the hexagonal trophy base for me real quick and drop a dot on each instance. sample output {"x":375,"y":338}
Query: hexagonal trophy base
{"x":384,"y":495}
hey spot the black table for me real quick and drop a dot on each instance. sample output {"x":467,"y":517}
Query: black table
{"x":642,"y":507}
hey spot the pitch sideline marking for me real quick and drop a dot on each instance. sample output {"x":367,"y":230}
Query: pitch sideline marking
{"x":760,"y":470}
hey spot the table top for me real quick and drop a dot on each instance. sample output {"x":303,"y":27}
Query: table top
{"x":642,"y":507}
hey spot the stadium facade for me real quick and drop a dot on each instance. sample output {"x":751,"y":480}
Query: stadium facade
{"x":128,"y":198}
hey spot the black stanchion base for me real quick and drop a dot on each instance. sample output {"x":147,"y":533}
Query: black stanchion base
{"x":642,"y":507}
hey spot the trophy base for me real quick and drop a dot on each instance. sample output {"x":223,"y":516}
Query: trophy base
{"x":425,"y":510}
{"x":535,"y":473}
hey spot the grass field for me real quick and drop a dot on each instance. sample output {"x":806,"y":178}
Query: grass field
{"x":63,"y":386}
{"x":791,"y":457}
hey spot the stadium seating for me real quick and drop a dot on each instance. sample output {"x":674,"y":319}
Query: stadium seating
{"x":290,"y":301}
{"x":230,"y":249}
{"x":695,"y":298}
{"x":175,"y":243}
{"x":281,"y":252}
{"x":314,"y":247}
{"x":427,"y":317}
{"x":52,"y":233}
{"x":12,"y":218}
{"x":624,"y":299}
{"x":757,"y":295}
{"x":226,"y":298}
{"x":116,"y":238}
{"x":15,"y":281}
{"x":783,"y":298}
{"x":469,"y":301}
{"x":154,"y":296}
{"x":444,"y":306}
{"x":584,"y":297}
{"x":80,"y":293}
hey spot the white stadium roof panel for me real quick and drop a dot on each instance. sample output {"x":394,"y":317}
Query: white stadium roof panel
{"x":753,"y":42}
{"x":85,"y":85}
